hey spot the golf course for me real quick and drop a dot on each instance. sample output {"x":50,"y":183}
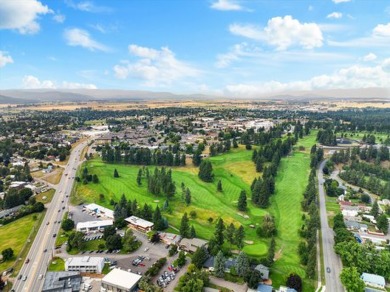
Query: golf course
{"x":236,"y":172}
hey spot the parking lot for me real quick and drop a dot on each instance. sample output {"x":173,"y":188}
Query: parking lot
{"x":78,"y":215}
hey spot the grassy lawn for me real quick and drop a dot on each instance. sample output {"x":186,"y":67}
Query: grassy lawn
{"x":332,"y":208}
{"x":48,"y":194}
{"x":15,"y":235}
{"x":56,"y":265}
{"x":54,"y":177}
{"x":291,"y":182}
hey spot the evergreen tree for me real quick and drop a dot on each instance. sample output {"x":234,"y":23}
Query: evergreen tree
{"x":116,"y":174}
{"x":188,"y":196}
{"x":184,"y":226}
{"x":239,"y":237}
{"x":95,"y":179}
{"x":158,"y":220}
{"x":218,"y":233}
{"x":219,"y":265}
{"x":197,"y":158}
{"x":375,"y":209}
{"x":139,"y":177}
{"x":242,"y":204}
{"x":242,"y":264}
{"x":199,"y":257}
{"x":219,"y":186}
{"x":271,"y":252}
{"x":192,"y":232}
{"x":230,"y":232}
{"x":206,"y":171}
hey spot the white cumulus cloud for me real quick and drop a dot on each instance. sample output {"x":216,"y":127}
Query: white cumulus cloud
{"x":60,"y":18}
{"x":87,"y":6}
{"x":282,"y":33}
{"x":32,"y":82}
{"x":382,"y":30}
{"x":79,"y":37}
{"x":5,"y":59}
{"x":369,"y":57}
{"x":350,"y":77}
{"x":22,"y":16}
{"x":226,"y":5}
{"x":154,"y":67}
{"x":340,"y":1}
{"x":335,"y":15}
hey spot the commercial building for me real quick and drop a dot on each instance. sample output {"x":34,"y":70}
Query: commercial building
{"x":89,"y":226}
{"x":62,"y":282}
{"x":139,"y":224}
{"x":120,"y":281}
{"x":170,"y":238}
{"x":99,"y":210}
{"x":85,"y":264}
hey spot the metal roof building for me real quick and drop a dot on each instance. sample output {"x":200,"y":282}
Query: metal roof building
{"x":120,"y":280}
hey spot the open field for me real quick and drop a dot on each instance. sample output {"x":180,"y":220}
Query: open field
{"x":48,"y":194}
{"x":291,"y":182}
{"x":55,"y":176}
{"x":15,"y":235}
{"x":359,"y":135}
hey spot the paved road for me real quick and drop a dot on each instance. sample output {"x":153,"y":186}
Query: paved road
{"x":331,"y":259}
{"x":42,"y":248}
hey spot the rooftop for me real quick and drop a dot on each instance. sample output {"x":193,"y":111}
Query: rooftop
{"x":62,"y":281}
{"x":139,"y":222}
{"x":92,"y":224}
{"x":85,"y":261}
{"x":125,"y":280}
{"x":373,"y":278}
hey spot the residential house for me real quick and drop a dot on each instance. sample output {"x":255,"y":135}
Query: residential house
{"x":373,"y":280}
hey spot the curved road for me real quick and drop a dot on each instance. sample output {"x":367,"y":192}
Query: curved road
{"x":42,"y":250}
{"x":331,"y":259}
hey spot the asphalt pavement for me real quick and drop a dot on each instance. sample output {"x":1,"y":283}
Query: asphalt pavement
{"x":332,"y":262}
{"x":34,"y":269}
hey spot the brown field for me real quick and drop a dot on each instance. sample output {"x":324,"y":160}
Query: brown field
{"x":54,"y":177}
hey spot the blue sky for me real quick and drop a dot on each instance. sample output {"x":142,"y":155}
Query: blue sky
{"x":230,"y":47}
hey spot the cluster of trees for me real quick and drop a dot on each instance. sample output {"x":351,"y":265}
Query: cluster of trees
{"x":316,"y":156}
{"x":373,"y":184}
{"x":15,"y":197}
{"x":156,"y":267}
{"x":143,"y":156}
{"x":7,"y":254}
{"x":86,"y":177}
{"x":307,"y":248}
{"x":206,"y":171}
{"x":221,"y":147}
{"x":194,"y":280}
{"x":262,"y":189}
{"x":233,"y":235}
{"x":267,"y":228}
{"x":160,"y":182}
{"x":326,"y":137}
{"x":370,"y":154}
{"x":125,"y":208}
{"x":332,"y":188}
{"x":363,"y":257}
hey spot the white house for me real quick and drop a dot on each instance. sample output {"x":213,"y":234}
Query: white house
{"x":373,"y":280}
{"x":85,"y":264}
{"x":139,"y":223}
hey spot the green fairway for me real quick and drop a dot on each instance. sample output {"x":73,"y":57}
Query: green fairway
{"x":291,"y":182}
{"x":206,"y":201}
{"x":14,"y":235}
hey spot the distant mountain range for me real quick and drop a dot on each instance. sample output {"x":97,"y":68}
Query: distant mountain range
{"x":84,"y":95}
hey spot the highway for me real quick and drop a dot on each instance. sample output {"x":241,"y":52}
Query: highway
{"x":332,"y":261}
{"x":42,"y":250}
